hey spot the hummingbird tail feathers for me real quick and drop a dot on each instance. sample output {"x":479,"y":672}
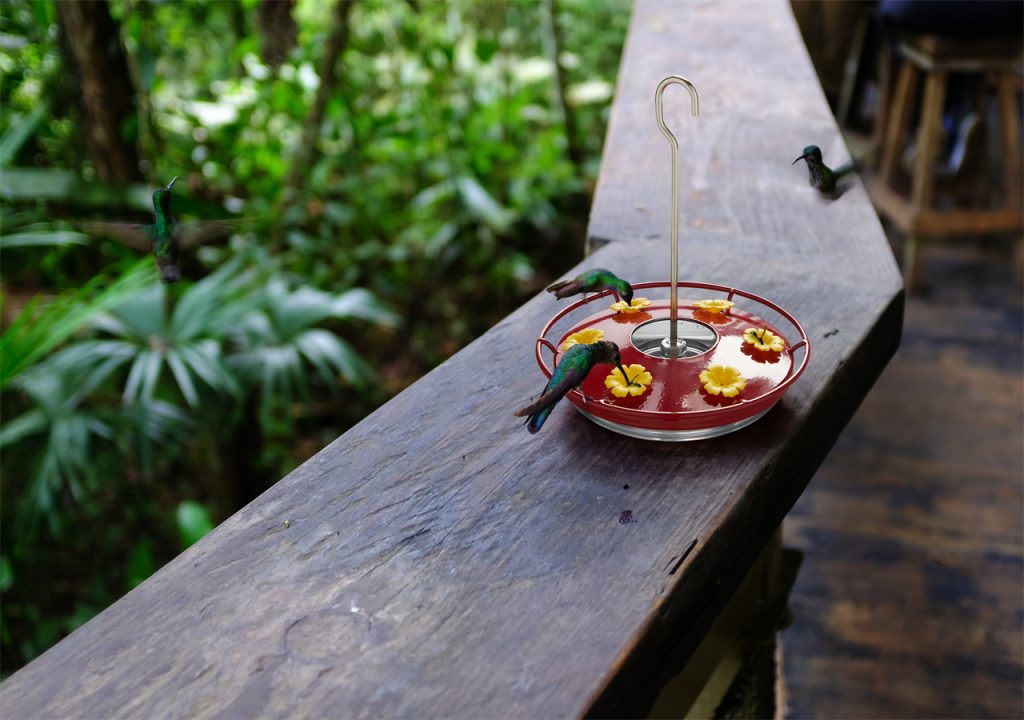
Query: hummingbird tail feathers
{"x":546,"y":400}
{"x":169,"y":272}
{"x":565,"y":288}
{"x":534,"y":422}
{"x":537,"y":411}
{"x":853,"y":167}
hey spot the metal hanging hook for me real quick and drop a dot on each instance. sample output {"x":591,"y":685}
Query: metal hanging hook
{"x":673,"y":348}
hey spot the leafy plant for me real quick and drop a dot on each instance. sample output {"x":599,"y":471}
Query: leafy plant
{"x":61,"y":432}
{"x":440,"y":183}
{"x":186,"y":339}
{"x":194,"y":522}
{"x":278,"y":338}
{"x":41,"y":327}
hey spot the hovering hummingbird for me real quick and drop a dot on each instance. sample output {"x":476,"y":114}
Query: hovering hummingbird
{"x":576,"y":364}
{"x":165,"y":237}
{"x":594,"y":280}
{"x":823,"y":178}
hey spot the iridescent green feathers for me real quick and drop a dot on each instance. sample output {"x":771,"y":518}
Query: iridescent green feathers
{"x":592,"y":281}
{"x":165,"y":237}
{"x":578,"y":360}
{"x":571,"y":371}
{"x":823,"y":178}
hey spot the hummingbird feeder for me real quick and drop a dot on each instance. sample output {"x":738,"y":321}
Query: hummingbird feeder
{"x":715,"y":364}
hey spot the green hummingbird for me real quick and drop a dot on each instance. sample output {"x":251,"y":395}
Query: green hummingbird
{"x":165,"y":237}
{"x":823,"y":178}
{"x":576,"y":364}
{"x":594,"y":280}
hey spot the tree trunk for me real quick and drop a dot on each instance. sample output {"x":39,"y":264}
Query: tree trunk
{"x":306,"y":151}
{"x":278,"y":31}
{"x":107,"y":95}
{"x":553,"y":45}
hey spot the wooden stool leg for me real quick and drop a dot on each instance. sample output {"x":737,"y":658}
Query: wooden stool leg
{"x":851,"y":71}
{"x":1011,"y":139}
{"x":885,"y":81}
{"x":911,"y":262}
{"x":928,"y":135}
{"x":1017,"y":258}
{"x":1011,"y":158}
{"x":896,"y":127}
{"x":929,"y":132}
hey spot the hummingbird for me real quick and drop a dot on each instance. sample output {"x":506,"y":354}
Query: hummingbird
{"x":594,"y":280}
{"x":823,"y":178}
{"x":576,"y":364}
{"x":165,"y":237}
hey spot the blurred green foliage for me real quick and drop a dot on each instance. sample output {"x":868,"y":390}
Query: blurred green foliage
{"x":439,"y":196}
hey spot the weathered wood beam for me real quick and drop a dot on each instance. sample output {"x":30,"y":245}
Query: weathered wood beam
{"x":439,"y":561}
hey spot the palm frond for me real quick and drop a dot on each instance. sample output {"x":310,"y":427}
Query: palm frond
{"x":143,"y":375}
{"x":39,"y":329}
{"x":332,"y":356}
{"x":42,"y":238}
{"x":361,"y":303}
{"x":212,"y":305}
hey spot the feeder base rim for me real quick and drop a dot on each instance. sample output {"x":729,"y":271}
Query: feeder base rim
{"x":674,"y":435}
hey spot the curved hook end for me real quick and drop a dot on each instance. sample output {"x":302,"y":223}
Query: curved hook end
{"x":659,"y":109}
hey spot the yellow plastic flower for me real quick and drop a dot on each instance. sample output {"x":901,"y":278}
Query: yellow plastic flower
{"x":583,"y":337}
{"x":638,"y":376}
{"x":722,"y":380}
{"x":763,"y":339}
{"x":638,"y":304}
{"x":714,"y":306}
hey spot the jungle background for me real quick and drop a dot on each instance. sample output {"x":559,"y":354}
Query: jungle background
{"x":408,"y":171}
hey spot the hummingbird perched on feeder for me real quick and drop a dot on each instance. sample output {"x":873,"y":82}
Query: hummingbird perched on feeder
{"x":594,"y":280}
{"x":576,"y":364}
{"x":823,"y":178}
{"x":165,"y":237}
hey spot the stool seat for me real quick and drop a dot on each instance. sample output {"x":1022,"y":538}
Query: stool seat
{"x":963,"y":55}
{"x":935,"y":56}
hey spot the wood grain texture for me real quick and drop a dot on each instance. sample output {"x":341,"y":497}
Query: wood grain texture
{"x":760,"y":105}
{"x":910,"y":601}
{"x":438,"y":560}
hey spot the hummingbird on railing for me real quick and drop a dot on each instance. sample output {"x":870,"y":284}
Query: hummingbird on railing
{"x":823,"y":178}
{"x":576,"y":364}
{"x":594,"y":280}
{"x":165,"y":237}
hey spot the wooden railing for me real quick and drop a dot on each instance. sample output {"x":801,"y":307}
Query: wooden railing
{"x":439,"y":561}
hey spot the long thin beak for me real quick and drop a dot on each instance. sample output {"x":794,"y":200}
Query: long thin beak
{"x":171,"y":183}
{"x":802,"y":157}
{"x":624,"y":375}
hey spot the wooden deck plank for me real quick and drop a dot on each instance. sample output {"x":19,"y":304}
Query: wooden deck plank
{"x":439,"y":560}
{"x":910,"y":602}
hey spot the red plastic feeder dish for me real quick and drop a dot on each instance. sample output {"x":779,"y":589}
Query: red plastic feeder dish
{"x":676,"y":407}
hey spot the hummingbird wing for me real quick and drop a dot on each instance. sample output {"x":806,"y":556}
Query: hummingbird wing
{"x":205,"y":232}
{"x":134,"y":235}
{"x":566,"y":288}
